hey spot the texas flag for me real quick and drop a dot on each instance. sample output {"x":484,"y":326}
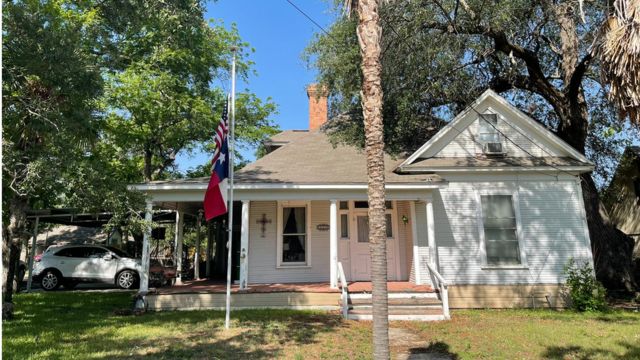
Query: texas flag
{"x":215,"y":199}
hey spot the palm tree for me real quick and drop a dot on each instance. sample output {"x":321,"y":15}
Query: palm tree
{"x":619,"y":52}
{"x":369,"y":37}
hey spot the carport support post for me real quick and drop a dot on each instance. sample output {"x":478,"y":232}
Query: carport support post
{"x":146,"y":255}
{"x":178,"y":247}
{"x":333,"y":244}
{"x":196,"y":261}
{"x":33,"y":253}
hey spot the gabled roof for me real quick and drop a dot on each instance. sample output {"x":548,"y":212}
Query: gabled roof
{"x":495,"y":164}
{"x":535,"y":129}
{"x":312,"y":159}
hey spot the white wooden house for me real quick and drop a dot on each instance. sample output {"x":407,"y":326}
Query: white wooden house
{"x":491,"y":207}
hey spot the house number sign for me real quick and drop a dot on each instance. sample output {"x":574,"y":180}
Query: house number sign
{"x":322,"y":227}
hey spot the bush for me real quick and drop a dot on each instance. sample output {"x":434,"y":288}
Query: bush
{"x":585,"y":292}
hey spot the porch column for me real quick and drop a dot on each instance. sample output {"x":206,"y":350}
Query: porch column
{"x":333,"y":244}
{"x":178,"y":245}
{"x":431,"y":229}
{"x":244,"y":245}
{"x":196,"y":260}
{"x":146,"y":255}
{"x":416,"y":249}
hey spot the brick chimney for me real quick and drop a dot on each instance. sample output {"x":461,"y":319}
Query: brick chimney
{"x":317,"y":106}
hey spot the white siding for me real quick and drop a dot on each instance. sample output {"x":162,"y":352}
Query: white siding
{"x":262,"y":250}
{"x":553,"y":229}
{"x":262,"y":254}
{"x":422,"y":241}
{"x":517,"y":145}
{"x":461,"y":140}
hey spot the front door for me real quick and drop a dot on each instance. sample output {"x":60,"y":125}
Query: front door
{"x":359,"y":247}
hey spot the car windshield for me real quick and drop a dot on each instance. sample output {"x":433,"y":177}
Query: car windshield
{"x":118,"y":252}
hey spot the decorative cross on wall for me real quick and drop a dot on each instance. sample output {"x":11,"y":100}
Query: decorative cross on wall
{"x":263,"y":221}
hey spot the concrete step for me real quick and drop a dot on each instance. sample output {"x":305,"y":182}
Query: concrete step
{"x":404,"y":295}
{"x":398,"y":301}
{"x":402,"y":311}
{"x":404,"y":314}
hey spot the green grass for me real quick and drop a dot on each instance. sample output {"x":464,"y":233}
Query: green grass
{"x":67,"y":325}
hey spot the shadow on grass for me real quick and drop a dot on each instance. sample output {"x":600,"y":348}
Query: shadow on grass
{"x":631,"y":351}
{"x":57,"y":326}
{"x":435,"y":351}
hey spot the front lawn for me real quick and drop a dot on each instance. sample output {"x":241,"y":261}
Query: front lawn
{"x":78,"y":325}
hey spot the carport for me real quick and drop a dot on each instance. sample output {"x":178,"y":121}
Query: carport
{"x":71,"y":216}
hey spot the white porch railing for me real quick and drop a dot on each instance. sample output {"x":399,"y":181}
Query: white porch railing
{"x":438,"y":281}
{"x":345,"y":294}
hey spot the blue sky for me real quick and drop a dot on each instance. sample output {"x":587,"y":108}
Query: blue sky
{"x":279,"y":34}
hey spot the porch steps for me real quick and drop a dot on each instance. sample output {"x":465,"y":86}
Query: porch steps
{"x":402,"y":306}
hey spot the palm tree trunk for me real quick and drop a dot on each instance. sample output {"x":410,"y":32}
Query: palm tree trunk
{"x":369,"y":34}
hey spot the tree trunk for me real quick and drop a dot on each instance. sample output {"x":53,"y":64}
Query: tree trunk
{"x":15,"y":235}
{"x":369,"y":34}
{"x":612,"y":249}
{"x":148,"y":158}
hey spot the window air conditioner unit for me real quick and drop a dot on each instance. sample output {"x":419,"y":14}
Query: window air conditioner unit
{"x":493,"y":148}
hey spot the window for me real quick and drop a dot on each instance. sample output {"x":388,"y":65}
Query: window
{"x":365,"y":204}
{"x":344,"y":226}
{"x":96,"y":252}
{"x":75,"y":252}
{"x":344,"y":205}
{"x":363,"y":227}
{"x":293,"y":243}
{"x":500,"y":230}
{"x":389,"y":226}
{"x":487,"y":130}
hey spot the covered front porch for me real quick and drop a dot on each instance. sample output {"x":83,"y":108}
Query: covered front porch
{"x":298,"y":235}
{"x":299,"y":243}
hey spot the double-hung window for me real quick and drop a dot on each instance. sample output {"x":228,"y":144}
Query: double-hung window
{"x":487,"y":130}
{"x":293,"y":241}
{"x":500,"y":228}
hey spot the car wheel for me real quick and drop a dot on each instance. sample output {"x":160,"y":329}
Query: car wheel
{"x":126,"y":279}
{"x":70,"y":285}
{"x":50,"y":280}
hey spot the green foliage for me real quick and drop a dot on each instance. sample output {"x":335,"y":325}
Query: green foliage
{"x":95,"y":90}
{"x":585,"y":292}
{"x":436,"y":59}
{"x":50,"y":87}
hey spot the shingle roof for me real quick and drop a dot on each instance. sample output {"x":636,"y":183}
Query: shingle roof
{"x":287,"y":136}
{"x":453,"y":162}
{"x":312,"y":159}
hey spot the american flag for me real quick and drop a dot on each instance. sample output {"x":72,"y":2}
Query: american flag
{"x":215,"y":199}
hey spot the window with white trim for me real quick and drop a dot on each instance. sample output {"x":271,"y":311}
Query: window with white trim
{"x":500,"y":230}
{"x":344,"y":220}
{"x":294,"y":236}
{"x":487,"y":129}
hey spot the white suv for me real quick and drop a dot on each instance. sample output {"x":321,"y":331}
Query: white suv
{"x":70,"y":264}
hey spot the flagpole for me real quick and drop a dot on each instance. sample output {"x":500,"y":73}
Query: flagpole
{"x":230,"y":195}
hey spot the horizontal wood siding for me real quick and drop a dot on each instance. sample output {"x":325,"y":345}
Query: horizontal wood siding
{"x":252,"y":300}
{"x":422,"y":241}
{"x":464,"y":143}
{"x":506,"y":296}
{"x":553,"y":231}
{"x":404,"y":240}
{"x":262,"y":254}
